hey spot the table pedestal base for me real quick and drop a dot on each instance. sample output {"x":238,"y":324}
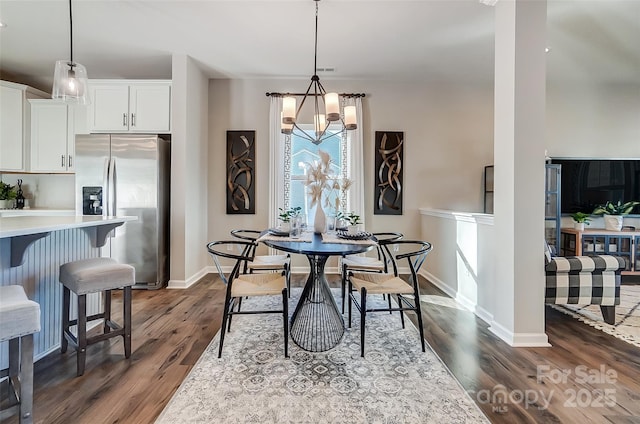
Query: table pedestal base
{"x":316,"y":324}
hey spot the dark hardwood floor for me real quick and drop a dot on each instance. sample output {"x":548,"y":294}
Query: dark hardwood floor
{"x":572,"y":382}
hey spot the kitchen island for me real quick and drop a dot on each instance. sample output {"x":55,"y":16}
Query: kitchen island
{"x":32,"y":248}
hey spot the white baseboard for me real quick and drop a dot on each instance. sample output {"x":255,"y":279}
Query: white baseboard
{"x":483,"y":314}
{"x":184,"y":284}
{"x":466,"y":303}
{"x":519,"y":339}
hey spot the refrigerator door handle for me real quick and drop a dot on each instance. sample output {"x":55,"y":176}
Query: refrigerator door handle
{"x":106,"y":187}
{"x":114,"y":183}
{"x":111,"y":190}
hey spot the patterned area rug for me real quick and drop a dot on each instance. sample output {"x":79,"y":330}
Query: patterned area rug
{"x":627,"y":324}
{"x":253,"y":383}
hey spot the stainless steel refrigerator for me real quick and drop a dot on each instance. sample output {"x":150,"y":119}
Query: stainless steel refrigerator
{"x":129,"y":175}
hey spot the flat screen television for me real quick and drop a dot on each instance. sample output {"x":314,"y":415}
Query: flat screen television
{"x":586,"y":183}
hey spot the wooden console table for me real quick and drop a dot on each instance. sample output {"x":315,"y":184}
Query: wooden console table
{"x":598,"y":241}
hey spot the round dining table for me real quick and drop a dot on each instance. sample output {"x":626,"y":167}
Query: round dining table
{"x":317,"y":324}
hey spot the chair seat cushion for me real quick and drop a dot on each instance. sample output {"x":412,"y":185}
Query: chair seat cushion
{"x":269,"y":262}
{"x":95,"y":275}
{"x":363,"y":262}
{"x":381,"y":284}
{"x":19,"y":316}
{"x":258,"y":285}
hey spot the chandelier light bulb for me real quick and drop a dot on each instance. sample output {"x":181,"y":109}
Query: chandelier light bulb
{"x":289,"y":110}
{"x":319,"y":124}
{"x":332,"y":106}
{"x":350,"y":121}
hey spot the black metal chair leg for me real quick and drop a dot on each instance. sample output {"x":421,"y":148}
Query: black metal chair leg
{"x":66,"y":303}
{"x":225,"y":316}
{"x":363,"y":316}
{"x":349,"y":306}
{"x":419,"y":313}
{"x":285,"y":320}
{"x":344,"y":284}
{"x":391,"y":312}
{"x":400,"y":298}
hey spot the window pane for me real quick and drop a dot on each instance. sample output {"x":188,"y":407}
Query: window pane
{"x":302,"y":152}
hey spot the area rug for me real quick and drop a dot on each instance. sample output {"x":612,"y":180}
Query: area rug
{"x":253,"y":383}
{"x":627,"y":323}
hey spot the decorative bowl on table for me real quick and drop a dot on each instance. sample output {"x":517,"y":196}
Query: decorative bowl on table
{"x":361,"y":235}
{"x":278,"y":232}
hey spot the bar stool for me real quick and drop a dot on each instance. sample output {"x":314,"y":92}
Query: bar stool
{"x":19,"y":319}
{"x":91,"y":276}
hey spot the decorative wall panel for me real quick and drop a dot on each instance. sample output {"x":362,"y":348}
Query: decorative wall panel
{"x":389,"y":147}
{"x":241,"y":172}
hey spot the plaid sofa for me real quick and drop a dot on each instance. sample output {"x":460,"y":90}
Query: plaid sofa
{"x":585,"y":280}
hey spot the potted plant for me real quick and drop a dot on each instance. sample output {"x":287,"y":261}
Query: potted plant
{"x":7,"y":194}
{"x":613,"y":213}
{"x":286,"y":215}
{"x":353,"y":219}
{"x":580,"y":219}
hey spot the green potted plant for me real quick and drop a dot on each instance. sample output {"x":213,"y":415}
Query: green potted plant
{"x":353,"y":219}
{"x":7,"y":194}
{"x":286,"y":215}
{"x":613,"y":213}
{"x":580,"y":219}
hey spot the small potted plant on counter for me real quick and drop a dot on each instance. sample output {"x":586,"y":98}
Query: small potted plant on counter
{"x":7,"y":194}
{"x":613,"y":213}
{"x":580,"y":219}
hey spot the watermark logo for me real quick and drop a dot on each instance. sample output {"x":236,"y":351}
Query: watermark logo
{"x":596,"y":396}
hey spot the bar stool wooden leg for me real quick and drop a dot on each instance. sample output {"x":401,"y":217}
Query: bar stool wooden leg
{"x":14,"y":364}
{"x":107,"y":310}
{"x":26,"y":379}
{"x":82,"y":332}
{"x":66,"y":304}
{"x":127,"y":321}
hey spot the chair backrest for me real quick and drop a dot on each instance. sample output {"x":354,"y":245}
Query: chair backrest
{"x":239,"y":250}
{"x":250,"y":235}
{"x":384,"y":254}
{"x":415,"y":252}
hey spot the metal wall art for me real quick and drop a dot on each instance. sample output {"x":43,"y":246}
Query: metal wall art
{"x":388,"y":165}
{"x":241,"y":164}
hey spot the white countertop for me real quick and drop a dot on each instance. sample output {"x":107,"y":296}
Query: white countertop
{"x":23,"y":225}
{"x":36,"y":211}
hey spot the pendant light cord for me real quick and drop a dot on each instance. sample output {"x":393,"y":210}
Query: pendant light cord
{"x":70,"y":31}
{"x":315,"y":51}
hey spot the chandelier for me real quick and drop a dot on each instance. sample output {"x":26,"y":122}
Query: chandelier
{"x":70,"y":78}
{"x":326,"y":108}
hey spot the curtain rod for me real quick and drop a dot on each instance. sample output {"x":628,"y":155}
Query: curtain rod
{"x":349,"y":95}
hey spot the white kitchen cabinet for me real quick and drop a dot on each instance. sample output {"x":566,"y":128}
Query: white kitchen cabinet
{"x":15,"y":125}
{"x":52,"y":136}
{"x":130,"y":106}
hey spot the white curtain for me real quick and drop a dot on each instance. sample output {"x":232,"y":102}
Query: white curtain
{"x":276,"y":160}
{"x":356,"y":164}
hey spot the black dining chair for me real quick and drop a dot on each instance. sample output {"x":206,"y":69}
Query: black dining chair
{"x":270,"y":263}
{"x":407,"y":293}
{"x":240,"y":285}
{"x":378,"y":264}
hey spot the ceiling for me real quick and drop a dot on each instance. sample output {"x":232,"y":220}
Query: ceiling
{"x":418,"y":40}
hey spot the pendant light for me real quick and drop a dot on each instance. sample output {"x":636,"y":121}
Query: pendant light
{"x":70,"y":81}
{"x":322,"y":119}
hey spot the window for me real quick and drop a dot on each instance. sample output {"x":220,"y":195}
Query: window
{"x":298,"y":153}
{"x":286,"y":176}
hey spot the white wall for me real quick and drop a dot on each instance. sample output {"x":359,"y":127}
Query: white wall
{"x":51,"y":191}
{"x":189,"y":153}
{"x":448,"y":135}
{"x":593,"y":120}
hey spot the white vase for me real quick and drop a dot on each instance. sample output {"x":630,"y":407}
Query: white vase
{"x":613,"y":222}
{"x":4,"y":204}
{"x":352,"y":229}
{"x":578,"y":226}
{"x":319,"y":221}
